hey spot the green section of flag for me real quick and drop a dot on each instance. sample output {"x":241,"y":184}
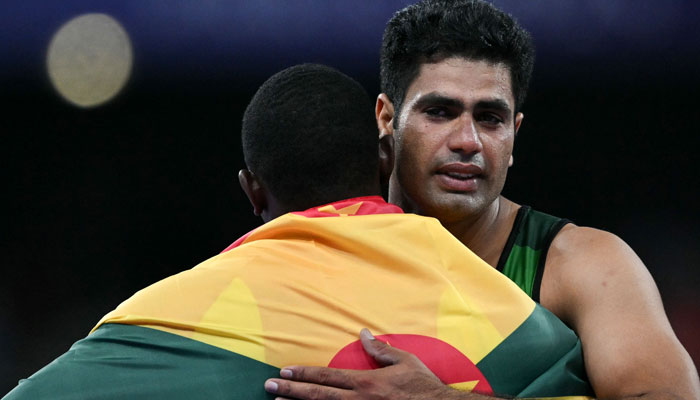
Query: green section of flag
{"x":521,"y":267}
{"x":566,"y":377}
{"x":132,"y":362}
{"x":542,"y":358}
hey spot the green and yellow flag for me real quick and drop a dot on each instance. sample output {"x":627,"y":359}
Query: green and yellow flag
{"x":298,"y":290}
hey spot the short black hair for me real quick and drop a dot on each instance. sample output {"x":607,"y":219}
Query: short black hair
{"x":432,"y":30}
{"x":309,"y":134}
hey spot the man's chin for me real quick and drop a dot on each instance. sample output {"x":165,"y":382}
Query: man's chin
{"x":453,"y":207}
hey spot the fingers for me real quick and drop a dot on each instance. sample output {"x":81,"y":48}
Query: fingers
{"x":303,"y":390}
{"x":339,"y":378}
{"x":383,"y":353}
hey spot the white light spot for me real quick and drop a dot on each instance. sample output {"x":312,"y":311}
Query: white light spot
{"x":89,"y":59}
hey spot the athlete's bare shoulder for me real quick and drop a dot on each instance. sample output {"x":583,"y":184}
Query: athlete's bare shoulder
{"x":583,"y":255}
{"x":595,"y":283}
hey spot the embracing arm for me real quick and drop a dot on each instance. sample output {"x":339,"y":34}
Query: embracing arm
{"x":594,"y":282}
{"x":403,"y":376}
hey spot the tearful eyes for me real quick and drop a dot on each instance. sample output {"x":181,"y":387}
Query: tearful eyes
{"x":489,"y":118}
{"x":437,"y":112}
{"x":486,"y":118}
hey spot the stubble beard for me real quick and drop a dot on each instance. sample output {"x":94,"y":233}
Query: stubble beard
{"x":449,"y":208}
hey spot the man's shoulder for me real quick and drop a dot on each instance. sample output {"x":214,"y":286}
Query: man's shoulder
{"x":596,"y":284}
{"x":573,"y":239}
{"x":582,"y":259}
{"x":574,"y":244}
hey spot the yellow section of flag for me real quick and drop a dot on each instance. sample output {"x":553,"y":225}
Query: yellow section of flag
{"x":299,"y":289}
{"x":464,"y":386}
{"x":349,"y":210}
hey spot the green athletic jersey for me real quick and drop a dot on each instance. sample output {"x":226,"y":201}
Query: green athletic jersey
{"x":525,"y":252}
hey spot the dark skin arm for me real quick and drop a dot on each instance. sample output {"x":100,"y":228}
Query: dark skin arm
{"x":401,"y":372}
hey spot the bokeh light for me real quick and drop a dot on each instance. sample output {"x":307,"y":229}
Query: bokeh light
{"x":89,"y":59}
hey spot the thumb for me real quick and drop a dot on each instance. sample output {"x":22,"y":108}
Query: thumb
{"x":382,"y":353}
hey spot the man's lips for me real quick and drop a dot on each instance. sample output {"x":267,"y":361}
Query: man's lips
{"x":459,"y":176}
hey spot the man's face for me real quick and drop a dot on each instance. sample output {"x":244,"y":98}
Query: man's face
{"x":454,"y":139}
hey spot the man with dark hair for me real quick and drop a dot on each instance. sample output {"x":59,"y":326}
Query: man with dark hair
{"x":454,"y":76}
{"x":349,"y":260}
{"x":311,"y":152}
{"x":493,"y":36}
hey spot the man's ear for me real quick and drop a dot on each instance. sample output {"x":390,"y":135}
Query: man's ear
{"x":254,"y":190}
{"x":518,"y":121}
{"x":386,"y":158}
{"x":384,"y":113}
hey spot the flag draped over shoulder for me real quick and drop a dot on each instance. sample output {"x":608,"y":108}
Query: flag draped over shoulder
{"x":298,"y":290}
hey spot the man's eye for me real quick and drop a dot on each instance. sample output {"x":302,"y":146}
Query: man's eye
{"x":489,"y":118}
{"x":437,"y":112}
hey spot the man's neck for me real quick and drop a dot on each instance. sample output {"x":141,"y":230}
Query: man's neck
{"x":486,"y":233}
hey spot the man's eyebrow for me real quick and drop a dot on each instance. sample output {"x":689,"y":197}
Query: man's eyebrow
{"x":436,"y":99}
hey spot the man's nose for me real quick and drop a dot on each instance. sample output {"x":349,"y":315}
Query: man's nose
{"x":465,"y":136}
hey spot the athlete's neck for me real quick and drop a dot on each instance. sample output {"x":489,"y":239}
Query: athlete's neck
{"x":486,"y":233}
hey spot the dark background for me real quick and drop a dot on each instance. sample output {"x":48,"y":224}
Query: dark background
{"x":98,"y":203}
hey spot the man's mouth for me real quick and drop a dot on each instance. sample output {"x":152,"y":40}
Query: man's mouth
{"x":459,"y":177}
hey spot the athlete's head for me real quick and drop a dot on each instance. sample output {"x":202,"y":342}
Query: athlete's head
{"x":432,"y":30}
{"x":454,"y":74}
{"x":309,"y":138}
